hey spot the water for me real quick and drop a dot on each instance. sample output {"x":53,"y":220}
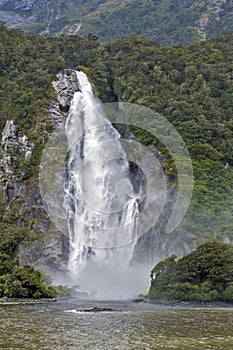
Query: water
{"x":59,"y":326}
{"x":102,"y":207}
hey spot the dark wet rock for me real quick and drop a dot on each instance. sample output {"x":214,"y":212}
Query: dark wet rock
{"x":138,"y":300}
{"x":98,"y":309}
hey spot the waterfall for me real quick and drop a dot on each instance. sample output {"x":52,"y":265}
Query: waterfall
{"x":101,"y":205}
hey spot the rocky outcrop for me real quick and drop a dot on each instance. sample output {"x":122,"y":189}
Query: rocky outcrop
{"x":27,"y":11}
{"x":13,"y":146}
{"x":65,"y":86}
{"x":50,"y":251}
{"x":42,"y":15}
{"x":47,"y":248}
{"x":23,"y":5}
{"x":211,"y":5}
{"x":211,"y":13}
{"x":226,"y":239}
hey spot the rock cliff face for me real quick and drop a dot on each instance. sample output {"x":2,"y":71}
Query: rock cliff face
{"x":211,"y":14}
{"x":50,"y":250}
{"x":13,"y":145}
{"x":45,"y":248}
{"x":168,"y":22}
{"x":42,"y":16}
{"x":27,"y":11}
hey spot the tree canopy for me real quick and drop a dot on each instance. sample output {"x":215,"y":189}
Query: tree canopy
{"x":206,"y":274}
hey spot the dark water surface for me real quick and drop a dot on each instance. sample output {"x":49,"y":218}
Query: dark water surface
{"x":60,"y":326}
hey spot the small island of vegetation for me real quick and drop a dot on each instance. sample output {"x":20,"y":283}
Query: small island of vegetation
{"x":204,"y":275}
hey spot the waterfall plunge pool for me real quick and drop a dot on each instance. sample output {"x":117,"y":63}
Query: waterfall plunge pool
{"x":63,"y":326}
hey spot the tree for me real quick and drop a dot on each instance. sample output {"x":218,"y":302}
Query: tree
{"x":205,"y":274}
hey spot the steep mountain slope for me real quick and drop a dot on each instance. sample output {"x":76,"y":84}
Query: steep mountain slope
{"x":169,"y":22}
{"x":191,"y":86}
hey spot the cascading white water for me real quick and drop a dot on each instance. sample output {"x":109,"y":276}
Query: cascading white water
{"x":102,"y":208}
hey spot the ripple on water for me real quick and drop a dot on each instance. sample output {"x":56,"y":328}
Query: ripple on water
{"x":62,"y":326}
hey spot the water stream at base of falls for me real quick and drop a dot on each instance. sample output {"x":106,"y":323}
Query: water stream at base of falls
{"x":101,"y":205}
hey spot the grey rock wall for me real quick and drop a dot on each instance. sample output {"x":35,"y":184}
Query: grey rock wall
{"x":48,"y":249}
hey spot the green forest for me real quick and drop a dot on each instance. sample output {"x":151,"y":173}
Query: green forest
{"x":168,"y":22}
{"x":204,"y":275}
{"x":21,"y":282}
{"x":191,"y":86}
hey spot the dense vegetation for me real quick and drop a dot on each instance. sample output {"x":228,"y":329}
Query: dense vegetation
{"x":191,"y":86}
{"x":24,"y":283}
{"x":204,"y":275}
{"x":20,"y":282}
{"x":169,"y":22}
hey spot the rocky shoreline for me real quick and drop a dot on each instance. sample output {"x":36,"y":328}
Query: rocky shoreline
{"x":163,"y":302}
{"x":180,"y":303}
{"x":6,"y":300}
